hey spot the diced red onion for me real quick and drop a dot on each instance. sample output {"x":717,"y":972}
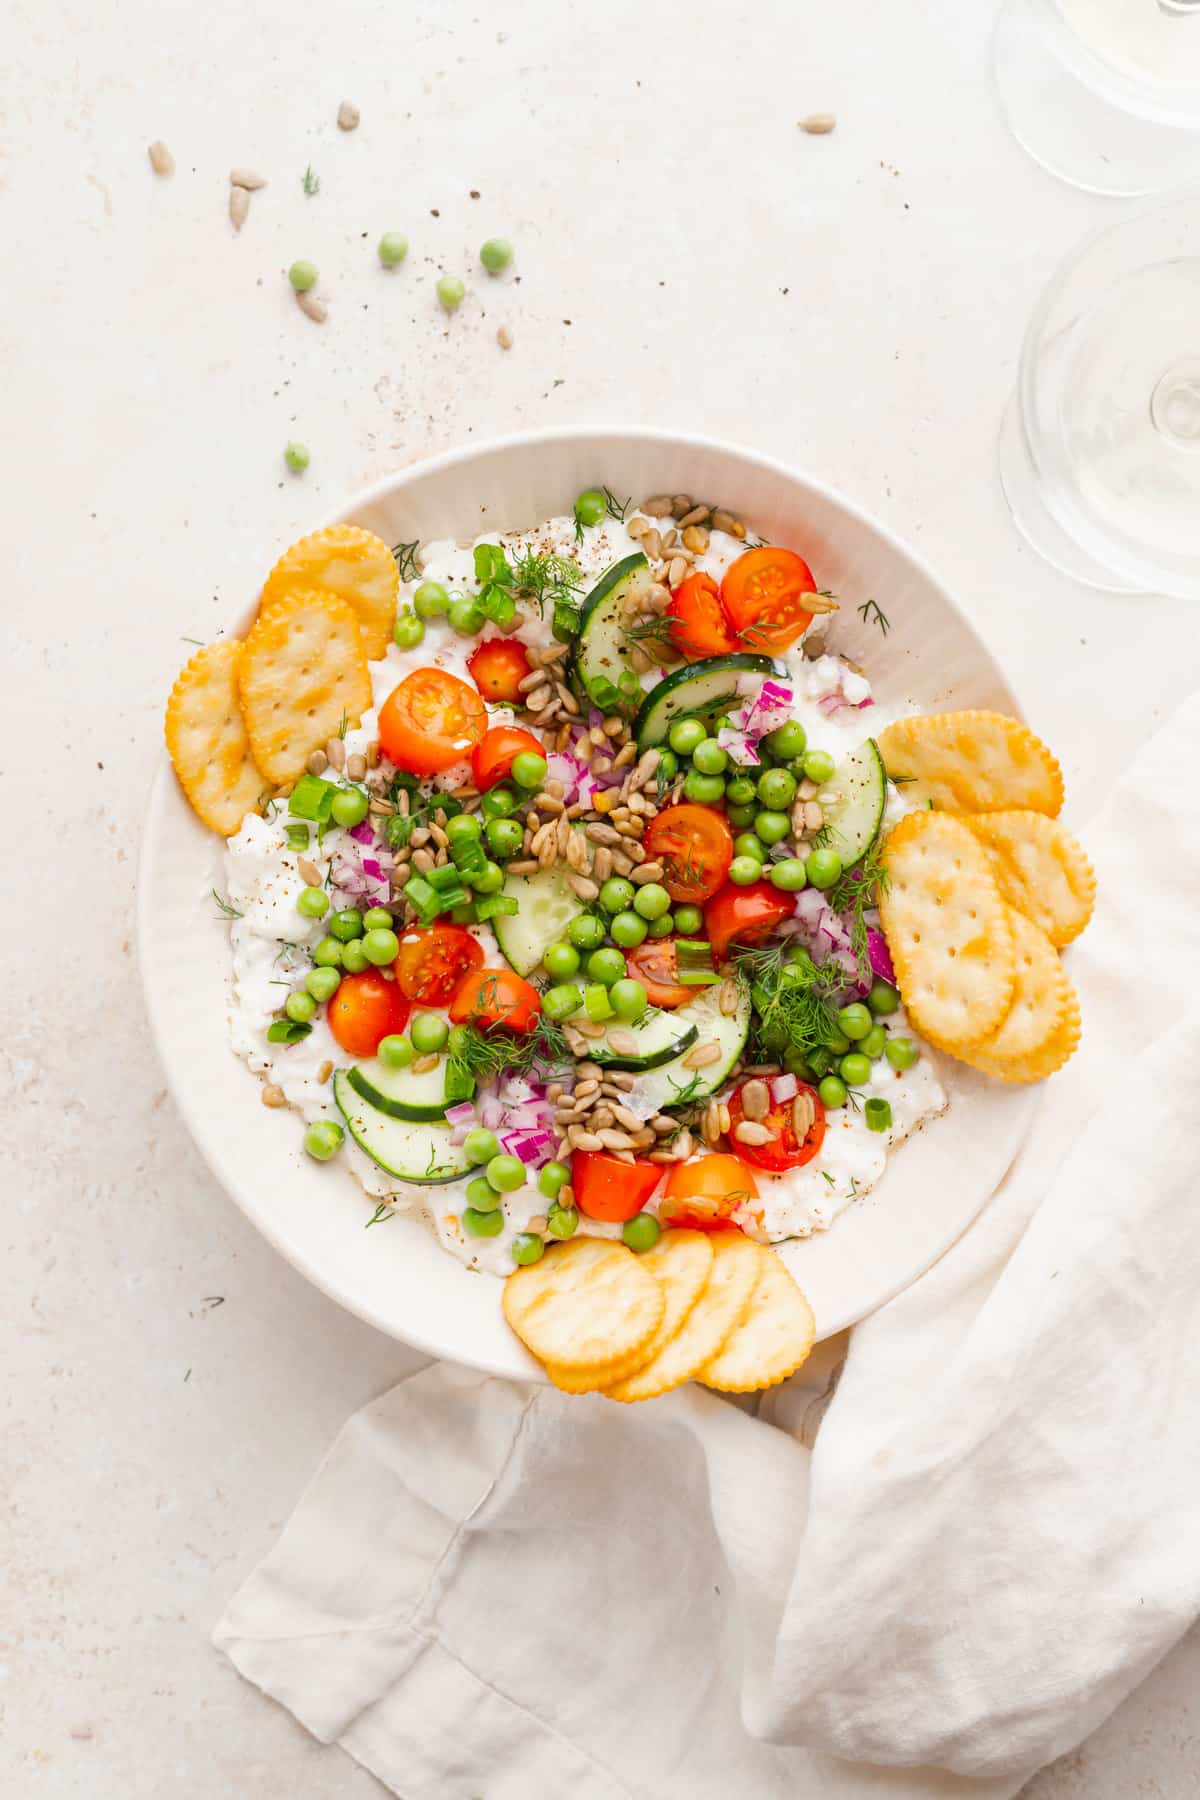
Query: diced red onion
{"x":783,"y":1088}
{"x":523,"y":1118}
{"x":491,"y":1112}
{"x":462,"y":1113}
{"x":747,"y":684}
{"x":363,"y":833}
{"x":371,"y":867}
{"x":829,"y":704}
{"x":879,"y":956}
{"x":773,"y":693}
{"x":860,"y":704}
{"x":740,"y":750}
{"x":531,"y":1146}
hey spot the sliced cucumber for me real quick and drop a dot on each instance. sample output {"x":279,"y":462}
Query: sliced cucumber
{"x":404,"y":1094}
{"x":661,"y":1037}
{"x":854,"y":815}
{"x":545,"y":907}
{"x":411,"y":1149}
{"x":601,"y":652}
{"x":701,"y":690}
{"x":674,"y":1083}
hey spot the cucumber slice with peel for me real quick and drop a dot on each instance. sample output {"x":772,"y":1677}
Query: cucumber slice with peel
{"x":545,"y":907}
{"x":405,"y":1094}
{"x":417,"y":1150}
{"x":853,"y":800}
{"x":702,"y":690}
{"x":661,"y":1037}
{"x":674,"y":1083}
{"x":601,"y":649}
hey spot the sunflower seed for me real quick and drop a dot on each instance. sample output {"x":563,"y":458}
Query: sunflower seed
{"x":647,"y":871}
{"x":710,"y":1124}
{"x":317,"y":762}
{"x":602,"y":1119}
{"x":695,"y":539}
{"x":439,"y":837}
{"x":239,"y":207}
{"x":657,"y":508}
{"x":579,"y":1139}
{"x":504,"y":338}
{"x":535,"y":678}
{"x":602,"y":834}
{"x":539,"y":698}
{"x":325,"y":1071}
{"x":348,"y":116}
{"x":814,"y":818}
{"x":615,"y":1140}
{"x":628,"y":1119}
{"x":566,"y":1197}
{"x":525,"y":866}
{"x":163,"y":163}
{"x":803,"y":1115}
{"x":756,"y":1100}
{"x":729,"y":522}
{"x":312,"y":306}
{"x":273,"y":1096}
{"x":701,"y":1055}
{"x":591,"y":1028}
{"x":602,"y":864}
{"x":422,"y":862}
{"x":356,"y":766}
{"x":420,"y":837}
{"x":818,"y":124}
{"x":309,"y":872}
{"x":583,"y":886}
{"x":246,"y":178}
{"x":588,"y":1071}
{"x":584,"y":1088}
{"x":726,"y":1121}
{"x":335,"y":750}
{"x":424,"y":1064}
{"x":622,"y":1041}
{"x":727,"y":1000}
{"x":749,"y":1132}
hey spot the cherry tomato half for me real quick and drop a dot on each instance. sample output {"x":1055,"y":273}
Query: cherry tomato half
{"x":429,"y":721}
{"x":365,"y":1008}
{"x":498,"y":668}
{"x":763,"y":593}
{"x":786,"y":1150}
{"x":747,"y":914}
{"x":493,"y":757}
{"x":695,"y":846}
{"x":491,"y":997}
{"x":433,"y":960}
{"x":704,"y":1193}
{"x":607,"y":1188}
{"x":697,"y":620}
{"x":655,"y":963}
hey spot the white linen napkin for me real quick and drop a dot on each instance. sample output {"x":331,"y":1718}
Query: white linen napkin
{"x":493,"y":1590}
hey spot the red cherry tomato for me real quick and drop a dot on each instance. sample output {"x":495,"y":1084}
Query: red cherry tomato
{"x":491,"y":997}
{"x":655,"y":963}
{"x":695,"y":846}
{"x":696,"y":618}
{"x":744,"y":914}
{"x":785,"y":1150}
{"x":493,"y":757}
{"x":763,"y":594}
{"x":703,"y":1194}
{"x":433,"y":960}
{"x":498,"y":668}
{"x":607,"y":1188}
{"x":429,"y":721}
{"x":365,"y":1008}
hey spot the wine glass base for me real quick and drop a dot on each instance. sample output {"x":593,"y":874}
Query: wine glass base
{"x":1036,"y":523}
{"x":1074,"y":130}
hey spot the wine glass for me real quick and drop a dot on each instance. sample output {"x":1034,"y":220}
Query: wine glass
{"x":1100,"y":447}
{"x":1104,"y":93}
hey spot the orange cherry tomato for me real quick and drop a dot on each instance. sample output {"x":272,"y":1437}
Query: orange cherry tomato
{"x":493,"y":757}
{"x":655,"y":963}
{"x":704,"y":1194}
{"x":747,"y":914}
{"x":696,"y":618}
{"x":429,"y":721}
{"x":498,"y":668}
{"x":785,"y":1150}
{"x":607,"y":1188}
{"x":490,"y":997}
{"x":763,"y":594}
{"x":365,"y":1008}
{"x":433,"y":960}
{"x":695,"y":846}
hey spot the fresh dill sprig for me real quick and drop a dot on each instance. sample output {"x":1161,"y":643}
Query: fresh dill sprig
{"x":545,"y":578}
{"x":870,"y":612}
{"x":343,"y":723}
{"x":656,"y":629}
{"x":406,"y":559}
{"x":855,"y":892}
{"x":485,"y":1056}
{"x":188,"y":640}
{"x":795,"y":1001}
{"x":616,"y":508}
{"x":312,"y":181}
{"x":226,"y":908}
{"x":383,"y":1212}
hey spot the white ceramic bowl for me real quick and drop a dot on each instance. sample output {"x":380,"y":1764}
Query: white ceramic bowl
{"x":396,"y":1276}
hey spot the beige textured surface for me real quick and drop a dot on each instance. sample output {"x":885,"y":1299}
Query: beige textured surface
{"x":851,"y":301}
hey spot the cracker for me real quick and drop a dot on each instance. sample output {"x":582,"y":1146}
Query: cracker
{"x":680,"y":1262}
{"x":207,"y":742}
{"x":1040,"y":869}
{"x":1041,"y":995}
{"x":972,"y":762}
{"x":1045,"y":1060}
{"x":588,"y":1304}
{"x":301,"y":672}
{"x":772,"y":1337}
{"x":705,"y":1328}
{"x":353,"y":564}
{"x":947,"y":928}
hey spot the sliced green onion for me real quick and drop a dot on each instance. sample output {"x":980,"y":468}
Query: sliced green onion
{"x":311,"y":798}
{"x":444,"y":878}
{"x":425,"y":900}
{"x":297,"y":836}
{"x":596,"y":1002}
{"x":878,"y":1114}
{"x":694,"y":963}
{"x":494,"y":906}
{"x":287,"y":1031}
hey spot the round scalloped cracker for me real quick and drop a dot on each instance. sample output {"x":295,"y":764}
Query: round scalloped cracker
{"x":588,"y":1304}
{"x":771,"y":1339}
{"x":1041,"y":997}
{"x":352,"y":563}
{"x":947,"y":929}
{"x":972,"y":762}
{"x":301,"y":673}
{"x":1039,"y":1063}
{"x":207,"y":742}
{"x":1040,"y":869}
{"x":705,"y":1328}
{"x":680,"y":1262}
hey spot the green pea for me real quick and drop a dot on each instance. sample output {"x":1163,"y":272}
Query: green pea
{"x":606,"y":966}
{"x":464,"y":615}
{"x":740,"y":791}
{"x":429,"y":1033}
{"x":596,"y":1002}
{"x":552,"y":1179}
{"x":629,"y":999}
{"x":457,"y":1042}
{"x":347,"y":924}
{"x":303,"y":275}
{"x":705,"y":790}
{"x":495,"y":255}
{"x":641,"y":1232}
{"x":354,"y":959}
{"x":328,"y":954}
{"x":393,"y":248}
{"x":878,"y":1114}
{"x":529,"y":770}
{"x":776,"y":789}
{"x":748,"y":843}
{"x":901,"y":1052}
{"x":772,"y":827}
{"x":431,"y":600}
{"x":506,"y":1173}
{"x":498,"y":803}
{"x":855,"y":1021}
{"x":652,"y":901}
{"x":823,"y":868}
{"x":562,"y":1221}
{"x":381,"y":946}
{"x":590,"y":507}
{"x":875,"y":1043}
{"x":786,"y":741}
{"x":561,"y":961}
{"x":296,"y":457}
{"x":479,"y":1146}
{"x":883,"y":999}
{"x":819,"y":766}
{"x":586,"y":931}
{"x":480,"y":1192}
{"x":489,"y":880}
{"x":482,"y":1224}
{"x":685,"y":734}
{"x":348,"y":807}
{"x":376,"y":916}
{"x":408,"y":631}
{"x":796,"y":1063}
{"x":855,"y":1069}
{"x":504,"y":838}
{"x":323,"y":1139}
{"x":709,"y":757}
{"x":300,"y":1008}
{"x":628,"y":929}
{"x":741,"y":817}
{"x":744,"y":870}
{"x":322,"y":984}
{"x":790,"y":874}
{"x":661,"y":928}
{"x":562,"y":1001}
{"x":527,"y":1247}
{"x":688,"y":920}
{"x":395,"y":1051}
{"x":312,"y":902}
{"x":463,"y":826}
{"x":833,"y":1092}
{"x":451,"y":291}
{"x":616,"y":894}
